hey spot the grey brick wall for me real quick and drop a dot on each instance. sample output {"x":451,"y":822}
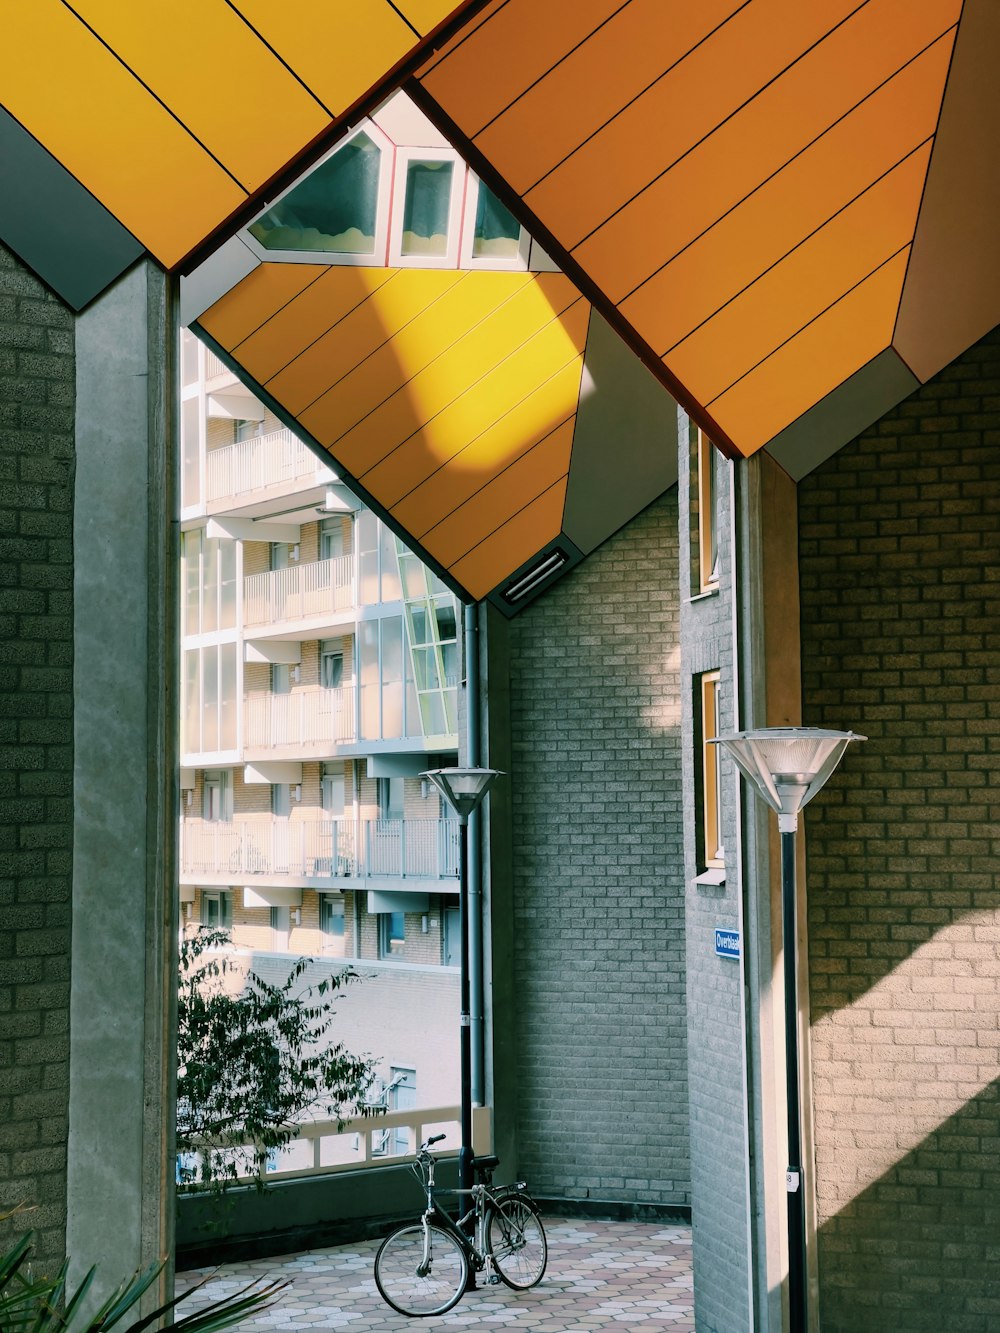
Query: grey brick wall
{"x":715,"y":1034}
{"x":900,"y":588}
{"x":36,"y":752}
{"x":598,"y":886}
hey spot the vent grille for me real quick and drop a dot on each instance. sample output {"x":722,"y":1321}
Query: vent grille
{"x":542,"y":569}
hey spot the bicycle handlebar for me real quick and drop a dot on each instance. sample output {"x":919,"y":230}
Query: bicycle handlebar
{"x":435,"y":1138}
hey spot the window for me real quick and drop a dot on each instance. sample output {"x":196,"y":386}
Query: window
{"x":390,"y":797}
{"x":492,"y":236}
{"x":245,"y":429}
{"x":281,"y":678}
{"x":281,"y":799}
{"x":281,"y":924}
{"x":217,"y":909}
{"x":331,"y":664}
{"x":709,"y":462}
{"x":331,"y":539}
{"x":391,"y":934}
{"x":427,"y":206}
{"x":711,"y":854}
{"x":208,"y":579}
{"x":332,"y":920}
{"x":217,"y":795}
{"x":402,"y":1097}
{"x":334,"y":210}
{"x":332,"y":790}
{"x":451,"y":946}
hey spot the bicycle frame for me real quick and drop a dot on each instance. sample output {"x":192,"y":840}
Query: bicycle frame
{"x":475,"y":1246}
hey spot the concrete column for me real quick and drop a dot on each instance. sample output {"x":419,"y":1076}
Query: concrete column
{"x":123,"y":994}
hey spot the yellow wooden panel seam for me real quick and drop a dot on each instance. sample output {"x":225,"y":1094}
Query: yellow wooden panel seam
{"x":520,"y":350}
{"x":819,"y":315}
{"x":535,"y":389}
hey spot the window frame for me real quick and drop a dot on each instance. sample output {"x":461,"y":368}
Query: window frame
{"x":711,"y":848}
{"x":466,"y":259}
{"x":708,"y":460}
{"x":224,"y":898}
{"x":385,"y":937}
{"x":456,"y":208}
{"x":376,"y":258}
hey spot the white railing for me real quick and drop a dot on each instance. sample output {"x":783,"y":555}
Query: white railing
{"x":214,"y":366}
{"x":324,"y":1147}
{"x":299,"y":592}
{"x":311,"y":849}
{"x":301,"y":720}
{"x":321,"y":849}
{"x":424,"y":848}
{"x":255,"y":464}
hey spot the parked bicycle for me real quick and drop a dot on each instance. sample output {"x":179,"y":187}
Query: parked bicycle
{"x":423,"y":1268}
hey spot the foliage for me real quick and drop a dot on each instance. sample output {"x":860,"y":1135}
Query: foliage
{"x":44,"y":1305}
{"x":254,"y":1060}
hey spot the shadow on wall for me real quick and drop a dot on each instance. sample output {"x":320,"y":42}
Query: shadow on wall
{"x":599,"y":962}
{"x":918,"y":1249}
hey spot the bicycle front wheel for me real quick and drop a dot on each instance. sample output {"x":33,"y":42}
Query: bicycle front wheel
{"x":515,"y":1239}
{"x":420,"y":1280}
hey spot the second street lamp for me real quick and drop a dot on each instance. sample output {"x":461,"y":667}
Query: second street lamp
{"x":787,"y":766}
{"x":464,"y":789}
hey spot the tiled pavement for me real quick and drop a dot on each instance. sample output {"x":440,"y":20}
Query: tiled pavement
{"x":600,"y":1275}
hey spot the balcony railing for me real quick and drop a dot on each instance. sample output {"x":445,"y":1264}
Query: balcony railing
{"x":304,"y":720}
{"x":299,"y":592}
{"x":255,"y":464}
{"x":321,"y":849}
{"x":411,"y":847}
{"x":323,"y":1147}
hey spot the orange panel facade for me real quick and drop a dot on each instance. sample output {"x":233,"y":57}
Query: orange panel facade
{"x":718,"y":181}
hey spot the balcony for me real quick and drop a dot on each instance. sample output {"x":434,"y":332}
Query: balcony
{"x":307,"y":598}
{"x":306,"y":724}
{"x":311,"y":852}
{"x":265,"y":467}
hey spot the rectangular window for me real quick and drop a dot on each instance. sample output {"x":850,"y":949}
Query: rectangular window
{"x":331,"y":664}
{"x":281,"y":924}
{"x":391,"y":934}
{"x":217,"y":795}
{"x":331,"y":917}
{"x":281,"y":799}
{"x":711,"y":851}
{"x":709,"y":462}
{"x":402,"y":1097}
{"x":332,"y":790}
{"x":217,"y":910}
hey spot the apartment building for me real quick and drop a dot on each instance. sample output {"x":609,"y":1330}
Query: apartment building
{"x":319,"y":668}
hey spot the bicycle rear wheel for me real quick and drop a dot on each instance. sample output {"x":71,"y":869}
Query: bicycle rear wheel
{"x":515,"y":1238}
{"x":412,"y":1286}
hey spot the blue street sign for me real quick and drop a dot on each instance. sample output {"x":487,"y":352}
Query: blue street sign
{"x":727,"y":943}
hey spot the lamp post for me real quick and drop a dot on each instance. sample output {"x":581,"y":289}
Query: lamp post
{"x":787,"y":766}
{"x":464,"y":789}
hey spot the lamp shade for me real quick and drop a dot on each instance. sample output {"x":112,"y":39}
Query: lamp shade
{"x":463,"y":788}
{"x":787,"y":765}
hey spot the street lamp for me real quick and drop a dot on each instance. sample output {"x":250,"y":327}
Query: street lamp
{"x":464,"y":789}
{"x":788,"y":766}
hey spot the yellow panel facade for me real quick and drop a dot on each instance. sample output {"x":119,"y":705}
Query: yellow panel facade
{"x":77,"y":99}
{"x":532,"y":474}
{"x":513,"y":543}
{"x":338,"y":51}
{"x":547,"y":407}
{"x":175,"y":49}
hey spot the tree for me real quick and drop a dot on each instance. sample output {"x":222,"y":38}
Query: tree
{"x":254,"y":1061}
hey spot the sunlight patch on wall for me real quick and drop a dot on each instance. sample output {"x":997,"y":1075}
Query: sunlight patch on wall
{"x":905,"y":1056}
